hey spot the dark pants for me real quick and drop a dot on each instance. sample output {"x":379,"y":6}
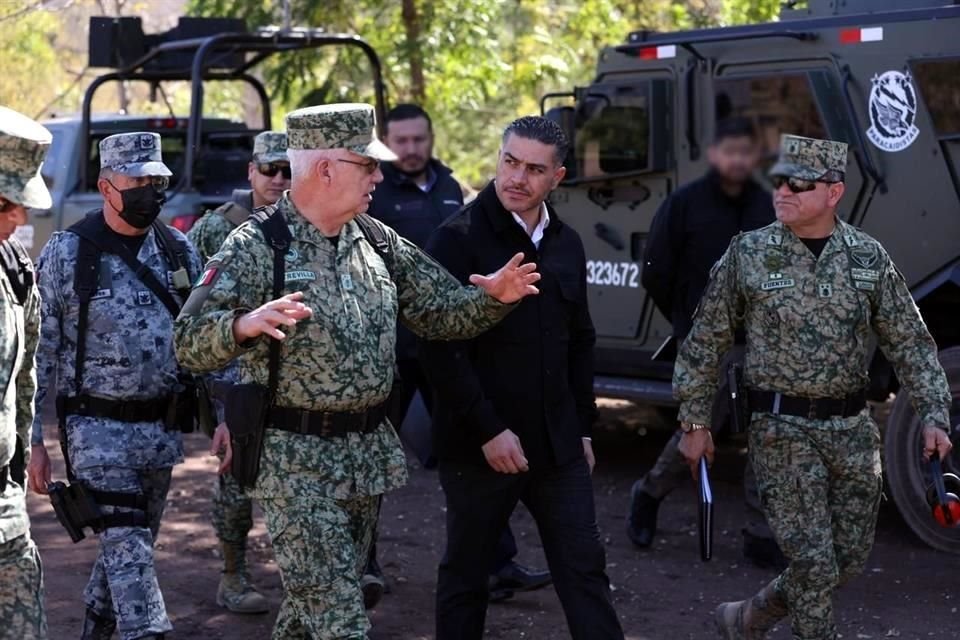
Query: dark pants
{"x":479,"y":504}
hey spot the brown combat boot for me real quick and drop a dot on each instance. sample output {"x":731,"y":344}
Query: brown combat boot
{"x":751,"y":619}
{"x":235,"y":592}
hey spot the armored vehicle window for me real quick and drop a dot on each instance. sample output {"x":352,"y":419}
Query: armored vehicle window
{"x":621,"y":129}
{"x":939,"y":83}
{"x":783,"y":103}
{"x":54,"y":160}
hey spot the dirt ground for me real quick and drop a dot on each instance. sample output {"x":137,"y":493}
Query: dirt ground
{"x":908,"y":591}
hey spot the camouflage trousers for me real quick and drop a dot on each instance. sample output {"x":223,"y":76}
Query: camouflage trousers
{"x":123,"y":584}
{"x":232,"y":511}
{"x":21,"y":597}
{"x":321,"y":546}
{"x":820,"y":484}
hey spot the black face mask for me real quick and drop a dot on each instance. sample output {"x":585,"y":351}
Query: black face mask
{"x":141,"y":205}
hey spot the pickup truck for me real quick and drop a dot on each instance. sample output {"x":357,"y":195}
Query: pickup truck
{"x":221,"y":167}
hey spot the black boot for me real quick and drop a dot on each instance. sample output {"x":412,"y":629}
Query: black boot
{"x":97,"y":627}
{"x":642,"y":517}
{"x":763,"y":552}
{"x":372,"y":583}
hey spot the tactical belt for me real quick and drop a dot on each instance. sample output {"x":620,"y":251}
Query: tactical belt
{"x":325,"y":424}
{"x":811,"y":408}
{"x":136,"y":501}
{"x":122,"y":410}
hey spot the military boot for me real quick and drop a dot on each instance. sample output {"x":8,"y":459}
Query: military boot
{"x":642,"y":517}
{"x":235,"y":592}
{"x":97,"y":627}
{"x":751,"y":619}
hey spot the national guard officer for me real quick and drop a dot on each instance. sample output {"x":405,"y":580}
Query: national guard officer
{"x":328,"y":453}
{"x":232,"y":512}
{"x":106,"y":350}
{"x":23,"y":144}
{"x":269,"y":175}
{"x":808,"y":289}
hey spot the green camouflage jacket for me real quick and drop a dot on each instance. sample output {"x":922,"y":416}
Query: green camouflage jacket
{"x":808,"y":323}
{"x":340,"y":359}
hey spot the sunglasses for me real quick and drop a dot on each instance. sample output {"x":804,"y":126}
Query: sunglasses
{"x":159,"y":183}
{"x":270,"y":169}
{"x":796,"y":185}
{"x":370,"y":165}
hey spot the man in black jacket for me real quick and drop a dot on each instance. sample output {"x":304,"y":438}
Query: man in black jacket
{"x":690,"y":232}
{"x":418,"y":193}
{"x":513,"y":408}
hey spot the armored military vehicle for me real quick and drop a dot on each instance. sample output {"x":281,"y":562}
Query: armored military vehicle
{"x":207,"y":155}
{"x":881,"y":75}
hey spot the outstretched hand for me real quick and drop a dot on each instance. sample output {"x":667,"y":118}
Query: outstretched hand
{"x":512,"y":283}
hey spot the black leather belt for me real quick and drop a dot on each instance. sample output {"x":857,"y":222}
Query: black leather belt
{"x":122,"y":410}
{"x":325,"y":424}
{"x":811,"y":408}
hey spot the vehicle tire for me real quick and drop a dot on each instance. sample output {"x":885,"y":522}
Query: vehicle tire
{"x":907,"y":475}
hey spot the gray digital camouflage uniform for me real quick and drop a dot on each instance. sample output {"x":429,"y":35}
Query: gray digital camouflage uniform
{"x":23,"y":144}
{"x":320,"y":495}
{"x":808,"y":323}
{"x":129,"y":356}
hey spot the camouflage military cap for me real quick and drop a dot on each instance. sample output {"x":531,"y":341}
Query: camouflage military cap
{"x":270,"y":146}
{"x":337,"y":126}
{"x":23,"y":144}
{"x":133,"y":154}
{"x":809,"y":158}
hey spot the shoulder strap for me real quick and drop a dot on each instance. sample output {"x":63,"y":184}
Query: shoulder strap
{"x":176,"y":256}
{"x":86,"y":278}
{"x":376,"y":235}
{"x":277,"y":233}
{"x":234,"y":213}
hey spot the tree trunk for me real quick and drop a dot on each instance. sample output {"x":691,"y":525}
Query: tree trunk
{"x":411,"y":22}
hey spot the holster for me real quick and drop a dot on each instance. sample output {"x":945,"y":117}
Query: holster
{"x":189,"y":407}
{"x":18,"y":468}
{"x":245,"y":411}
{"x":738,"y":399}
{"x":75,"y":509}
{"x":206,"y":416}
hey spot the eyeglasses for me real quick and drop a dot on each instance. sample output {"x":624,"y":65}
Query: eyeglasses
{"x":370,"y":165}
{"x":270,"y":169}
{"x":159,"y":183}
{"x":796,"y":185}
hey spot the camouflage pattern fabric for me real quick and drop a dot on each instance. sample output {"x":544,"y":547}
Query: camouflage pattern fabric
{"x":808,"y":324}
{"x":321,"y":546}
{"x":809,"y":158}
{"x":232,"y":514}
{"x":123,"y":584}
{"x":23,"y":145}
{"x":18,"y":344}
{"x":340,"y":359}
{"x":21,"y":598}
{"x":213,"y":227}
{"x":270,"y":146}
{"x":827,"y":541}
{"x":337,"y":126}
{"x":133,"y":154}
{"x":129,"y":356}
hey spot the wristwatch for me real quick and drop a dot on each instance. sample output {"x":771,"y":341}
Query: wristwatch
{"x":688,"y":427}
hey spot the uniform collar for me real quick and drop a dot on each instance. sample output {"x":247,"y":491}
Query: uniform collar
{"x":303,"y":231}
{"x":501,"y":219}
{"x":780,"y":234}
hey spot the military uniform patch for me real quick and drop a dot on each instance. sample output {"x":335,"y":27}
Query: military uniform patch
{"x":865,"y":255}
{"x":775,"y":239}
{"x":825,"y":289}
{"x":144,"y":298}
{"x":295,"y":276}
{"x":201,"y":289}
{"x":292,"y":255}
{"x":865,"y":286}
{"x":783,"y":283}
{"x":868,"y":275}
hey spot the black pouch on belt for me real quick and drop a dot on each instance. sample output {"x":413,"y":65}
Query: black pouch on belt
{"x":245,"y":411}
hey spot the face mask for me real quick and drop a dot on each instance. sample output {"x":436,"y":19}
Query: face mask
{"x":141,"y":205}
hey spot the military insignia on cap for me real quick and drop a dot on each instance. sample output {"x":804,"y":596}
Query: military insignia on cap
{"x":146,"y":142}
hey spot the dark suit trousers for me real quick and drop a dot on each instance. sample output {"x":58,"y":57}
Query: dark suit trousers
{"x":479,"y":504}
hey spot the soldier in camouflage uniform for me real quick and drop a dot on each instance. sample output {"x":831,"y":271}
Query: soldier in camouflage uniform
{"x":269,"y":175}
{"x":23,"y":144}
{"x":129,"y":364}
{"x":808,"y":290}
{"x":319,"y":492}
{"x":232,"y":512}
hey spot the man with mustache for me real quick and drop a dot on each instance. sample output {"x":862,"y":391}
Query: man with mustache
{"x":106,"y":351}
{"x":418,"y":193}
{"x":514,"y":407}
{"x":808,"y":290}
{"x":23,"y":145}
